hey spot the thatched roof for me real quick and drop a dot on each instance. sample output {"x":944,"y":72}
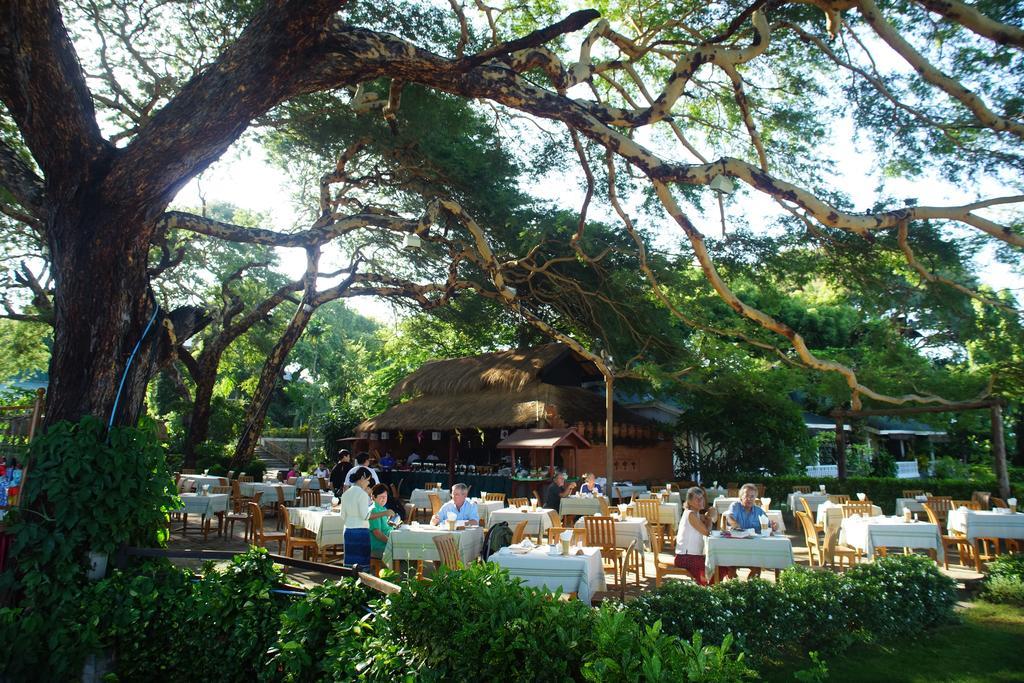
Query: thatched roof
{"x":524,"y":408}
{"x":504,"y":371}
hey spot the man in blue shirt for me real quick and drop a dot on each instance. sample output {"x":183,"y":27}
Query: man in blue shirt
{"x":743,"y":514}
{"x":464,"y":509}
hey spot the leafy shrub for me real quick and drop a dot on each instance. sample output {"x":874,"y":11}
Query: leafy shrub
{"x":479,"y":619}
{"x":898,"y":595}
{"x":80,"y":495}
{"x":950,"y":468}
{"x":819,"y":616}
{"x":623,"y":650}
{"x":805,"y":610}
{"x":1005,"y":582}
{"x":308,"y":625}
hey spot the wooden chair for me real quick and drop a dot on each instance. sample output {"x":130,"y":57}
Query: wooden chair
{"x":820,"y":528}
{"x":500,"y":497}
{"x":431,"y":485}
{"x":293,"y":539}
{"x":662,"y":568}
{"x":941,"y":505}
{"x":601,"y":534}
{"x":963,"y":547}
{"x":578,"y":534}
{"x":518,"y":503}
{"x":245,"y":479}
{"x":983,"y":498}
{"x":448,"y":551}
{"x":555,"y":519}
{"x":537,"y":497}
{"x":519,"y":533}
{"x":914,"y":493}
{"x":839,"y":498}
{"x":732,"y":493}
{"x":606,"y":510}
{"x":760,"y":490}
{"x":998,"y":503}
{"x":814,"y":546}
{"x":834,"y":549}
{"x":220,"y":491}
{"x":308,"y":499}
{"x":620,"y":579}
{"x":435,"y":504}
{"x":865,"y":509}
{"x":969,"y":504}
{"x":260,"y":536}
{"x":188,"y":471}
{"x":801,"y":489}
{"x":240,"y":513}
{"x":651,"y":511}
{"x":324,"y":486}
{"x":223,"y":481}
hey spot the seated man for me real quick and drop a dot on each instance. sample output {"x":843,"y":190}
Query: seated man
{"x":388,"y":461}
{"x":556,"y":491}
{"x":743,"y":514}
{"x":464,"y":509}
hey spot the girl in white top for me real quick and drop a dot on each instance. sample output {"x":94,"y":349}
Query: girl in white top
{"x":693,"y":527}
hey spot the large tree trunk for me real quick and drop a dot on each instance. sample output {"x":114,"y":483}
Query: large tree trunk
{"x":199,"y":417}
{"x":101,"y":309}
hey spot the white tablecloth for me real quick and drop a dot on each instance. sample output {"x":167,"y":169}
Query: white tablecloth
{"x":986,"y":524}
{"x":419,"y":498}
{"x":771,"y":552}
{"x":486,"y":507}
{"x":537,"y":523}
{"x":628,"y":530}
{"x":813,"y":500}
{"x":866,"y":534}
{"x":198,"y":504}
{"x":409,"y":542}
{"x":328,"y":527}
{"x":269,"y":491}
{"x":200,"y":479}
{"x":580,"y":574}
{"x":580,"y":505}
{"x":307,"y":482}
{"x":833,"y":514}
{"x":909,"y":504}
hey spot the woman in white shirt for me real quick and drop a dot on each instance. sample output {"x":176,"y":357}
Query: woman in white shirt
{"x":693,"y":527}
{"x":355,"y":509}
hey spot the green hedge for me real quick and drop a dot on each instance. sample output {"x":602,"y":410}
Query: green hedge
{"x":806,"y":610}
{"x":881,"y":491}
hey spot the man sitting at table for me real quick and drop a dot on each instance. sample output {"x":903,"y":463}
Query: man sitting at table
{"x":556,"y":491}
{"x":743,"y":514}
{"x":464,"y":509}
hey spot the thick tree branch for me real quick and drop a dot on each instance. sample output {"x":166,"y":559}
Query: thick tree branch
{"x":972,"y":19}
{"x":22,"y":182}
{"x":43,"y":86}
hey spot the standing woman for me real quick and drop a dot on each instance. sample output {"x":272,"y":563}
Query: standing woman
{"x":355,"y":508}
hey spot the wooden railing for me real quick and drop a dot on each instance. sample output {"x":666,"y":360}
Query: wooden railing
{"x":368,"y":580}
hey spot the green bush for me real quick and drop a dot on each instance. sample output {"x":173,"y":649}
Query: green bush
{"x":481,"y":620}
{"x":87,"y":491}
{"x":625,"y":651}
{"x":805,"y":610}
{"x":949,"y":468}
{"x":1005,"y":581}
{"x":324,"y":616}
{"x":898,"y":595}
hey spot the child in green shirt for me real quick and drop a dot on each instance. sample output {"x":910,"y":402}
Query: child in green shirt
{"x":378,"y":520}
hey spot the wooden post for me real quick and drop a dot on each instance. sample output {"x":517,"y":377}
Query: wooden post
{"x":37,"y":413}
{"x":999,"y":450}
{"x":841,"y":448}
{"x":609,"y":462}
{"x":453,"y":449}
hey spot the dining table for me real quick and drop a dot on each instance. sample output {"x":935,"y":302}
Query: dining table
{"x":773,"y":551}
{"x":580,"y":572}
{"x":420,"y":498}
{"x":668,"y":513}
{"x":325,"y":525}
{"x":581,"y":504}
{"x":486,"y":507}
{"x":628,"y":530}
{"x":204,"y":505}
{"x":415,"y":542}
{"x":830,"y":515}
{"x":979,"y":524}
{"x":249,"y":489}
{"x":538,"y":521}
{"x":912,"y":504}
{"x":813,"y":500}
{"x":866,"y":534}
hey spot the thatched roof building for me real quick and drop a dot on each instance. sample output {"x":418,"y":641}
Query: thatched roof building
{"x":519,"y":388}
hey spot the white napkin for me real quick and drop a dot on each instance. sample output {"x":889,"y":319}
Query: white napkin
{"x":566,"y":535}
{"x":1011,"y":501}
{"x":854,"y":516}
{"x":527,"y":543}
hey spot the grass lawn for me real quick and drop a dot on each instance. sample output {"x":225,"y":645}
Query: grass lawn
{"x":987,"y":646}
